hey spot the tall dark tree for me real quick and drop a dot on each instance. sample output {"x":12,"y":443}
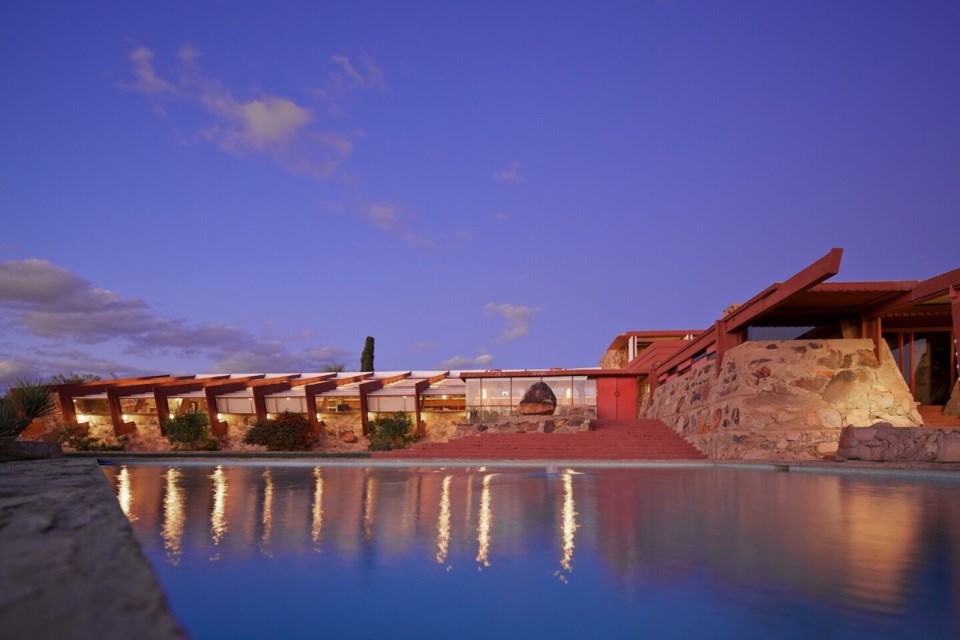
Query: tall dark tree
{"x":366,"y":358}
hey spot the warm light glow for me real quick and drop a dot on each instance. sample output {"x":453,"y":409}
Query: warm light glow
{"x":82,"y":418}
{"x":369,"y":502}
{"x":125,"y":417}
{"x":317,"y":506}
{"x":483,"y":394}
{"x":267,"y":510}
{"x":218,"y":521}
{"x":443,"y":522}
{"x":483,"y":528}
{"x":220,"y":416}
{"x":569,"y":393}
{"x":318,"y":416}
{"x":173,"y":515}
{"x":123,"y":492}
{"x":568,"y":523}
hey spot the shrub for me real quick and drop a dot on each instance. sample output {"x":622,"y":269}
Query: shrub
{"x":287,"y":432}
{"x":191,"y":431}
{"x":390,"y":431}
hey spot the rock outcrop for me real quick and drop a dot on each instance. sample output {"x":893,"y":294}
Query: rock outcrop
{"x":539,"y":400}
{"x":885,"y":443}
{"x":785,"y":399}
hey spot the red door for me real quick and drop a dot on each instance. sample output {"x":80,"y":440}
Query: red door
{"x":617,"y":398}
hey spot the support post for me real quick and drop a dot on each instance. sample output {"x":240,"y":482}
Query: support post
{"x":873,"y":329}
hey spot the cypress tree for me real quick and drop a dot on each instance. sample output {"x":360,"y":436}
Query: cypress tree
{"x":366,"y":358}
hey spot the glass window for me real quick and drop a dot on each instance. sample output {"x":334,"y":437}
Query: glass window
{"x":94,"y":407}
{"x":495,"y":392}
{"x":443,"y":403}
{"x":235,"y":405}
{"x":343,"y":404}
{"x":279,"y":405}
{"x":562,"y":388}
{"x":473,"y":397}
{"x":138,"y":405}
{"x":520,"y":387}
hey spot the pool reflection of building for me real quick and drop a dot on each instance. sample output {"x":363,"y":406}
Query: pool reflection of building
{"x":469,"y":519}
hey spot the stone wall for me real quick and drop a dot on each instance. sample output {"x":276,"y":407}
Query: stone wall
{"x":441,"y":426}
{"x":784,"y":399}
{"x":569,"y":423}
{"x":614,"y":359}
{"x":886,"y":443}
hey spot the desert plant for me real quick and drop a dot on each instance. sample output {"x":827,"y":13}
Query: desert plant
{"x":287,"y":432}
{"x":191,"y":430}
{"x":72,"y":377}
{"x":24,"y":403}
{"x":390,"y":431}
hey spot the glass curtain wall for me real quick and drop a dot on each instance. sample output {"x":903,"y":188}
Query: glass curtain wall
{"x":488,"y":398}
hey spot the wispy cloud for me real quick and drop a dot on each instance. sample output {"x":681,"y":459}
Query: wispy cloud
{"x":393,"y":219}
{"x":274,"y":126}
{"x":459,"y":362}
{"x":424,"y":346}
{"x":517,"y":317}
{"x":51,"y":303}
{"x":510,"y":175}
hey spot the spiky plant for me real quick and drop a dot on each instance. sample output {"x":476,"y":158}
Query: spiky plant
{"x":24,"y":403}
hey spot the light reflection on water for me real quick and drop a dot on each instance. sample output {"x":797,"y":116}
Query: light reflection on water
{"x":752,"y":552}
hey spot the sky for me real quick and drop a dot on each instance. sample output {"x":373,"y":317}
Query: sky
{"x":229,"y":186}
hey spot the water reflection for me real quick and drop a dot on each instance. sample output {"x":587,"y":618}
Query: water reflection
{"x":173,"y":515}
{"x":317,"y":521}
{"x":485,"y":522}
{"x":568,"y":525}
{"x":267,"y":519}
{"x":860,"y":543}
{"x":443,"y":522}
{"x":124,"y":496}
{"x":218,"y":521}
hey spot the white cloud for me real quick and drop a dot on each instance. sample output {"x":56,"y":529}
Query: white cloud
{"x":146,"y":78}
{"x":392,"y":218}
{"x":459,"y":362}
{"x":53,"y":304}
{"x":424,"y":346}
{"x":370,"y":76}
{"x":517,"y":317}
{"x":271,"y":125}
{"x":510,"y":175}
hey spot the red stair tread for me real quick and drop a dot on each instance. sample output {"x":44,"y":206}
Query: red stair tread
{"x":607,"y":440}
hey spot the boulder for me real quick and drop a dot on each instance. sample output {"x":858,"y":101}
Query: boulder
{"x":349,"y":437}
{"x":539,"y":400}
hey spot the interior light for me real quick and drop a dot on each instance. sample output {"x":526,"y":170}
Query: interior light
{"x":219,"y":416}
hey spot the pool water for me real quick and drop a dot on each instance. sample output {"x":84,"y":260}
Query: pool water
{"x":304,"y":551}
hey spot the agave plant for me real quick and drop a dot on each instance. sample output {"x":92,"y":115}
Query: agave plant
{"x":24,"y":403}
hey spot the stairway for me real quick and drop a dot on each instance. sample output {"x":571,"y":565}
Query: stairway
{"x":932,"y":416}
{"x":607,"y":440}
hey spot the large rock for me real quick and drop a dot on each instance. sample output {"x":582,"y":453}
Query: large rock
{"x":537,"y":401}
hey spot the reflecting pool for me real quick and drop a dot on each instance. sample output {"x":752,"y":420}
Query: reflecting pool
{"x":294,"y":550}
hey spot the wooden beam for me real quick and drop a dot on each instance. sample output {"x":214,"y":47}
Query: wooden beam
{"x":218,"y":427}
{"x":271,"y":386}
{"x":419,"y":388}
{"x":826,"y":267}
{"x":163,"y":391}
{"x":930,"y":288}
{"x":313,"y":389}
{"x":372,"y":385}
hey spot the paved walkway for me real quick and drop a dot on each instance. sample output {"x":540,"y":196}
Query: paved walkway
{"x":70,"y":566}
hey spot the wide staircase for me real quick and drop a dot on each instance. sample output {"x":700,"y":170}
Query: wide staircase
{"x":606,"y":440}
{"x":932,"y":416}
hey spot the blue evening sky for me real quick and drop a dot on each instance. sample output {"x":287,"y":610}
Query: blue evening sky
{"x":194,"y":186}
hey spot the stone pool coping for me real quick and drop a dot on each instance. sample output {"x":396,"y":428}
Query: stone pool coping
{"x":947,"y":469}
{"x":70,"y":565}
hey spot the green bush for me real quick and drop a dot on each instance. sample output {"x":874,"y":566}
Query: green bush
{"x":287,"y":432}
{"x":191,"y":431}
{"x":391,"y":431}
